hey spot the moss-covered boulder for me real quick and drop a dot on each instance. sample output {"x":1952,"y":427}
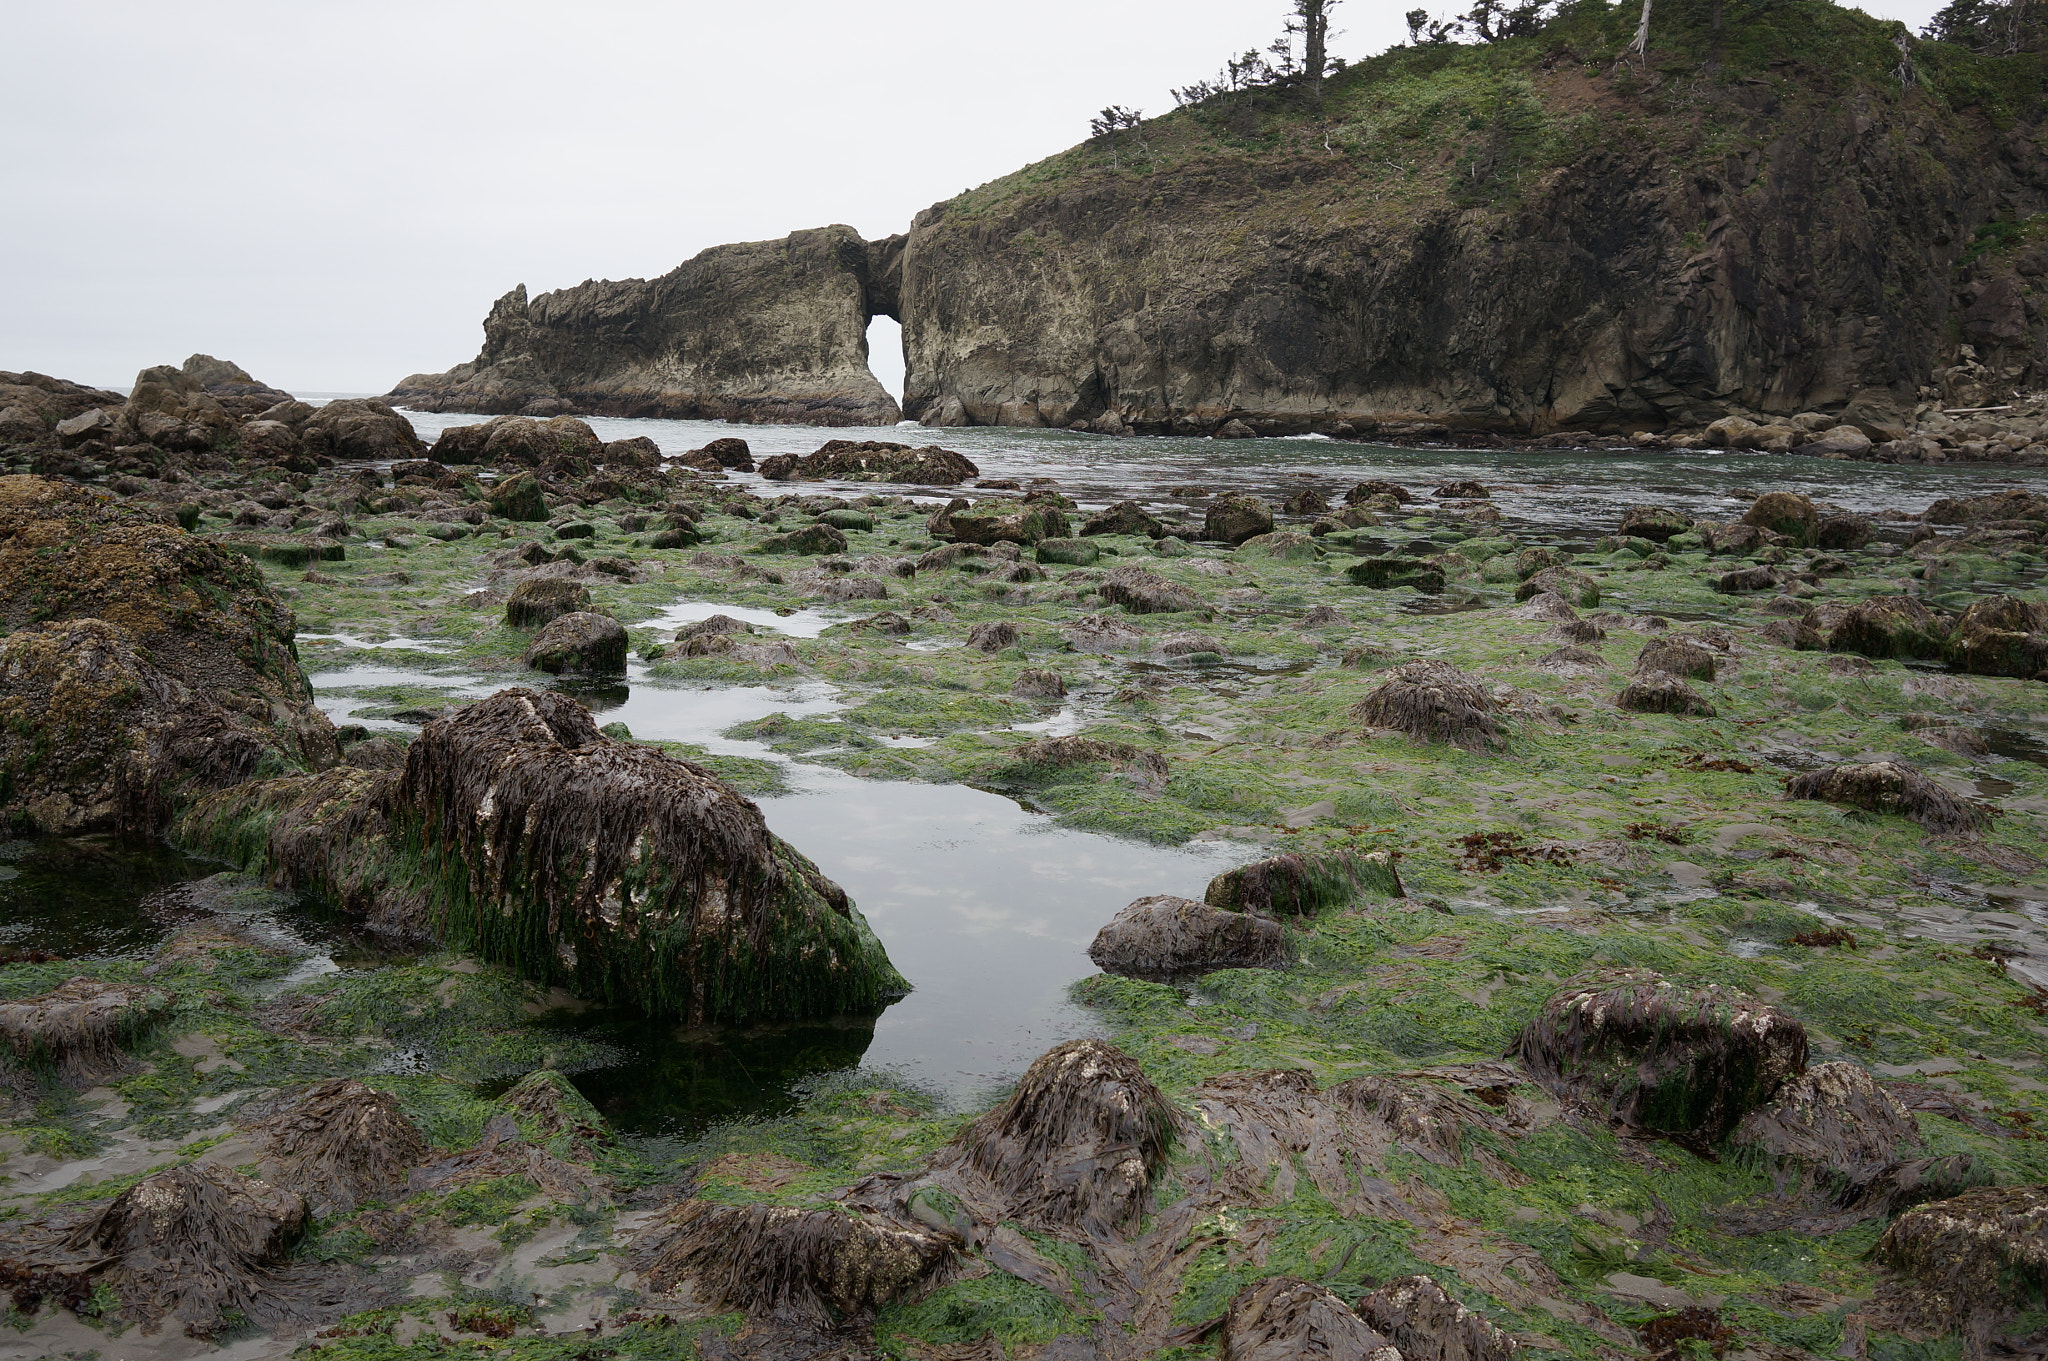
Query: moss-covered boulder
{"x":519,"y":830}
{"x":1896,"y":627}
{"x":2001,"y":635}
{"x":538,"y":601}
{"x":1288,"y":545}
{"x":1657,"y":523}
{"x":1124,"y":517}
{"x":1788,"y":513}
{"x":76,"y":1031}
{"x":1890,"y":787}
{"x":1568,"y":583}
{"x":1964,"y":1263}
{"x":994,"y":520}
{"x":517,"y":498}
{"x":1068,"y":552}
{"x":1144,"y":592}
{"x":1387,"y":574}
{"x":580,"y":642}
{"x":812,"y":540}
{"x":1302,"y":885}
{"x":1235,"y":517}
{"x":1659,"y":1058}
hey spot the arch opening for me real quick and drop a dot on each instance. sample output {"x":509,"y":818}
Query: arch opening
{"x":885,"y":353}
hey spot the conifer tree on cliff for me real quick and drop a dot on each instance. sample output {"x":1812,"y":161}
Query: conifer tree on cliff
{"x":1311,"y":19}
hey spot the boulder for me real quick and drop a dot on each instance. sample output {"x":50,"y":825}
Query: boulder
{"x":1684,"y":658}
{"x":559,"y":443}
{"x":1834,"y":1130}
{"x":1235,"y":517}
{"x":992,"y":521}
{"x":1738,"y":539}
{"x":1125,"y":517}
{"x":1285,"y":1319}
{"x":1230,"y":429}
{"x":1466,"y":490}
{"x":341,"y":1143}
{"x":2000,"y":635}
{"x":1656,"y":523}
{"x":1390,"y":574}
{"x":729,"y":452}
{"x":809,"y":541}
{"x":1164,"y":937}
{"x":1068,"y":552}
{"x":1367,"y":490}
{"x":1844,"y":533}
{"x":79,"y":1029}
{"x":520,"y":831}
{"x":1076,"y":1145}
{"x":1432,"y":702}
{"x":172,"y":411}
{"x":1788,"y":513}
{"x":638,"y":452}
{"x":1141,"y":591}
{"x":812,"y":1266}
{"x":579,"y":642}
{"x":1038,"y":684}
{"x":1568,"y":583}
{"x":517,"y":498}
{"x":2015,"y":504}
{"x":872,"y":461}
{"x":1657,"y":1058}
{"x":95,"y":424}
{"x":19,"y":425}
{"x":291,"y":411}
{"x":223,"y":378}
{"x":1748,"y":581}
{"x":1421,"y":1318}
{"x":1896,"y":627}
{"x":268,"y":441}
{"x":1307,"y":501}
{"x":1889,"y":787}
{"x":1658,"y":693}
{"x":538,"y":601}
{"x":993,"y":636}
{"x":461,"y":445}
{"x":1303,"y":884}
{"x":1844,"y":441}
{"x":1286,"y":546}
{"x":1965,"y":1262}
{"x":359,"y":429}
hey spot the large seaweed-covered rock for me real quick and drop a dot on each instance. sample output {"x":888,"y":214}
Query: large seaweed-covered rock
{"x":1965,"y":1261}
{"x":1656,"y":523}
{"x":1165,"y":937}
{"x":1661,"y":693}
{"x":192,"y":1245}
{"x":521,"y":831}
{"x":539,"y":601}
{"x":339,"y":1144}
{"x":1145,"y":592}
{"x":1077,"y":1143}
{"x":994,"y":520}
{"x":816,"y":1266}
{"x":2001,"y":635}
{"x":1897,"y":627}
{"x":1432,"y":702}
{"x":2016,"y":503}
{"x":1788,"y":513}
{"x":1303,"y":884}
{"x":517,"y":498}
{"x":1420,"y":1317}
{"x":547,"y":1104}
{"x":1684,"y":658}
{"x":1236,"y":516}
{"x":842,"y":460}
{"x":1285,"y":1319}
{"x":1124,"y":517}
{"x":562,"y":443}
{"x":1687,"y":1063}
{"x":1833,"y":1129}
{"x":1388,"y":574}
{"x":579,"y":642}
{"x":1889,"y":787}
{"x":77,"y":1029}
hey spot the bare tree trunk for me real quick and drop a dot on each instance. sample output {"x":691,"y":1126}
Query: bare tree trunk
{"x":1641,"y":46}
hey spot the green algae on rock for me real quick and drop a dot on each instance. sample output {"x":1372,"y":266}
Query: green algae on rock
{"x":520,"y":830}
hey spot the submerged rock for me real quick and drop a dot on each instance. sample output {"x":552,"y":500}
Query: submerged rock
{"x":1662,"y":1059}
{"x":1165,"y":937}
{"x":521,"y":831}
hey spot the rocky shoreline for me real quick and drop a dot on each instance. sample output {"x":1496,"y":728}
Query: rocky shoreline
{"x":1637,"y":948}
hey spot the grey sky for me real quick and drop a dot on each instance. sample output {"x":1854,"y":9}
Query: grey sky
{"x":332,"y":194}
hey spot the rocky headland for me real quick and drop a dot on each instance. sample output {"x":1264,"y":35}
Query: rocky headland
{"x":1527,"y":239}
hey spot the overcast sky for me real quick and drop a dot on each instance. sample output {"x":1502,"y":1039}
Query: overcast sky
{"x":333,"y":194}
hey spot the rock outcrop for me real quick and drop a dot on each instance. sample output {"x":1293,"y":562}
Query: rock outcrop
{"x":763,"y":331}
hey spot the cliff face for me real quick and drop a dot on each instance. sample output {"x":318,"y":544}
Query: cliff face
{"x":763,"y":331}
{"x":1556,"y":247}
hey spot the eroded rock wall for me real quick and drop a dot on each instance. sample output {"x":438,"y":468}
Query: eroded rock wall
{"x":763,"y":331}
{"x":1644,"y":283}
